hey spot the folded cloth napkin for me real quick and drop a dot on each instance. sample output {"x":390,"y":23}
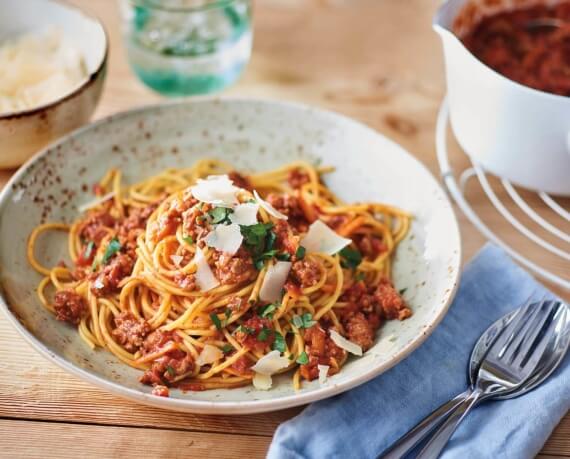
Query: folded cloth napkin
{"x":363,"y":422}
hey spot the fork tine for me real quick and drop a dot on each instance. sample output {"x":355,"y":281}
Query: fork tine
{"x":533,"y":358}
{"x":538,"y":328}
{"x":512,"y":329}
{"x":511,"y":350}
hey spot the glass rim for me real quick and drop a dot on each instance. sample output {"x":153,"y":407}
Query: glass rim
{"x":197,"y":5}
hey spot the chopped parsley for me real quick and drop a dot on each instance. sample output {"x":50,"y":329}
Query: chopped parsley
{"x":402,"y":291}
{"x":279,"y":343}
{"x":228,"y":313}
{"x":359,"y":276}
{"x":350,"y":258}
{"x":303,"y":358}
{"x":112,"y":248}
{"x":171,"y":371}
{"x":284,"y":256}
{"x":300,"y":253}
{"x":220,"y":215}
{"x":268,"y":310}
{"x":188,"y":240}
{"x":303,"y":321}
{"x":227,"y":348}
{"x":264,"y":334}
{"x":259,"y":240}
{"x":245,"y":330}
{"x":216,"y":320}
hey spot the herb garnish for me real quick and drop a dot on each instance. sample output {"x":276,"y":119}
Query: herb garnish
{"x":227,"y":348}
{"x":113,"y":247}
{"x":220,"y":215}
{"x":245,"y":330}
{"x":188,"y":239}
{"x":350,"y":258}
{"x":268,"y":310}
{"x":216,"y":321}
{"x":303,"y":321}
{"x":171,"y":371}
{"x":359,"y":276}
{"x":303,"y":358}
{"x":88,"y":250}
{"x":402,"y":290}
{"x":284,"y":256}
{"x":259,"y":240}
{"x":264,"y":334}
{"x":279,"y":343}
{"x":300,"y":253}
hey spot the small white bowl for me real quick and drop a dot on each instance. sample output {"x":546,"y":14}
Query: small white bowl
{"x":516,"y":132}
{"x":25,"y":132}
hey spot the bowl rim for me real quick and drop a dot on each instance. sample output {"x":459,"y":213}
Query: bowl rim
{"x":80,"y":88}
{"x":245,"y":406}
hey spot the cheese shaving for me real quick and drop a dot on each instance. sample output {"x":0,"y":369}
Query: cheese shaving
{"x":323,"y":373}
{"x":268,"y":207}
{"x":245,"y":214}
{"x":262,"y":382}
{"x":216,"y":189}
{"x":345,"y":344}
{"x":271,"y":363}
{"x":321,"y":239}
{"x":176,"y":259}
{"x":225,"y":238}
{"x":204,"y":276}
{"x":209,"y":355}
{"x":274,"y":281}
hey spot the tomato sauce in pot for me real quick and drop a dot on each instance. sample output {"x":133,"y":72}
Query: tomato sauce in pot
{"x":528,"y":45}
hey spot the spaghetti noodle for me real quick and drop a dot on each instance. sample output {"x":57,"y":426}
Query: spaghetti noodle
{"x":204,"y":278}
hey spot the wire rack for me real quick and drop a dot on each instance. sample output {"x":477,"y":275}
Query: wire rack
{"x":488,"y":202}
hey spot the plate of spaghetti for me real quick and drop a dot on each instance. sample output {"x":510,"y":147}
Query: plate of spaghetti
{"x":230,"y":256}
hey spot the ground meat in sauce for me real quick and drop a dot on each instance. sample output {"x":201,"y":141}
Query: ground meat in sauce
{"x":359,"y":331}
{"x":321,"y":350}
{"x":538,"y":57}
{"x":290,"y":206}
{"x":305,"y":272}
{"x":160,"y":391}
{"x":237,"y":304}
{"x":285,"y":239}
{"x":240,"y":180}
{"x":130,"y":331}
{"x":297,"y":178}
{"x":96,"y":226}
{"x":251,"y":337}
{"x":242,"y":366}
{"x":167,"y":368}
{"x":194,"y":222}
{"x":391,"y":301}
{"x":156,"y":340}
{"x":108,"y":280}
{"x":69,"y":306}
{"x":185,"y":281}
{"x":233,"y":269}
{"x":130,"y":228}
{"x":369,"y":245}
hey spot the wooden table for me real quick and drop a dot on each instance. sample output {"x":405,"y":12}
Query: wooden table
{"x":375,"y":60}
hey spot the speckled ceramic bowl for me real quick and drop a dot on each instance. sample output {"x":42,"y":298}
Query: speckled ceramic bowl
{"x":24,"y":133}
{"x":253,"y":135}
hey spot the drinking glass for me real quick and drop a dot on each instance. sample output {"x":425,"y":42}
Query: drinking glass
{"x":186,"y":47}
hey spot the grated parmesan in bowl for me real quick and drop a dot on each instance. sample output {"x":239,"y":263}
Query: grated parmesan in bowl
{"x":38,"y":68}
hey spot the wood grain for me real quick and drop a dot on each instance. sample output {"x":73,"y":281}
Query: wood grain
{"x":44,"y":440}
{"x":376,"y":61}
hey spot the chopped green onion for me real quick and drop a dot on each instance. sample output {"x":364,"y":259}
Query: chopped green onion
{"x":350,"y":258}
{"x":279,"y":343}
{"x":88,"y":250}
{"x":300,"y":253}
{"x":268,"y":310}
{"x":304,"y":321}
{"x":227,"y":348}
{"x":264,"y":334}
{"x":171,"y":371}
{"x":285,"y":256}
{"x":188,"y":240}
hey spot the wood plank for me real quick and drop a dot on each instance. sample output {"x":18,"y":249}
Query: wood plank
{"x":45,"y":440}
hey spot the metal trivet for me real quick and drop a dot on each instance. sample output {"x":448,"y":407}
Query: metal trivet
{"x":523,"y":213}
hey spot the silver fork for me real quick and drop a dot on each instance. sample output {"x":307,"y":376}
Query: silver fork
{"x":509,"y":362}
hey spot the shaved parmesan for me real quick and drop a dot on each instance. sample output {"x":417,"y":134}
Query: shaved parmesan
{"x":262,"y":382}
{"x":176,"y":259}
{"x":225,"y":238}
{"x":95,"y":202}
{"x":321,"y":239}
{"x":345,"y":344}
{"x":204,"y":276}
{"x":245,"y":214}
{"x":271,"y":363}
{"x":268,"y":207}
{"x":209,"y":355}
{"x":274,"y":281}
{"x":216,"y":189}
{"x":323,"y":373}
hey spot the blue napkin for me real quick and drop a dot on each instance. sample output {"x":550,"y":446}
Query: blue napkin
{"x":363,"y":422}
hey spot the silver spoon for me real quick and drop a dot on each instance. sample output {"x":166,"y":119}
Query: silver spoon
{"x":554,"y":354}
